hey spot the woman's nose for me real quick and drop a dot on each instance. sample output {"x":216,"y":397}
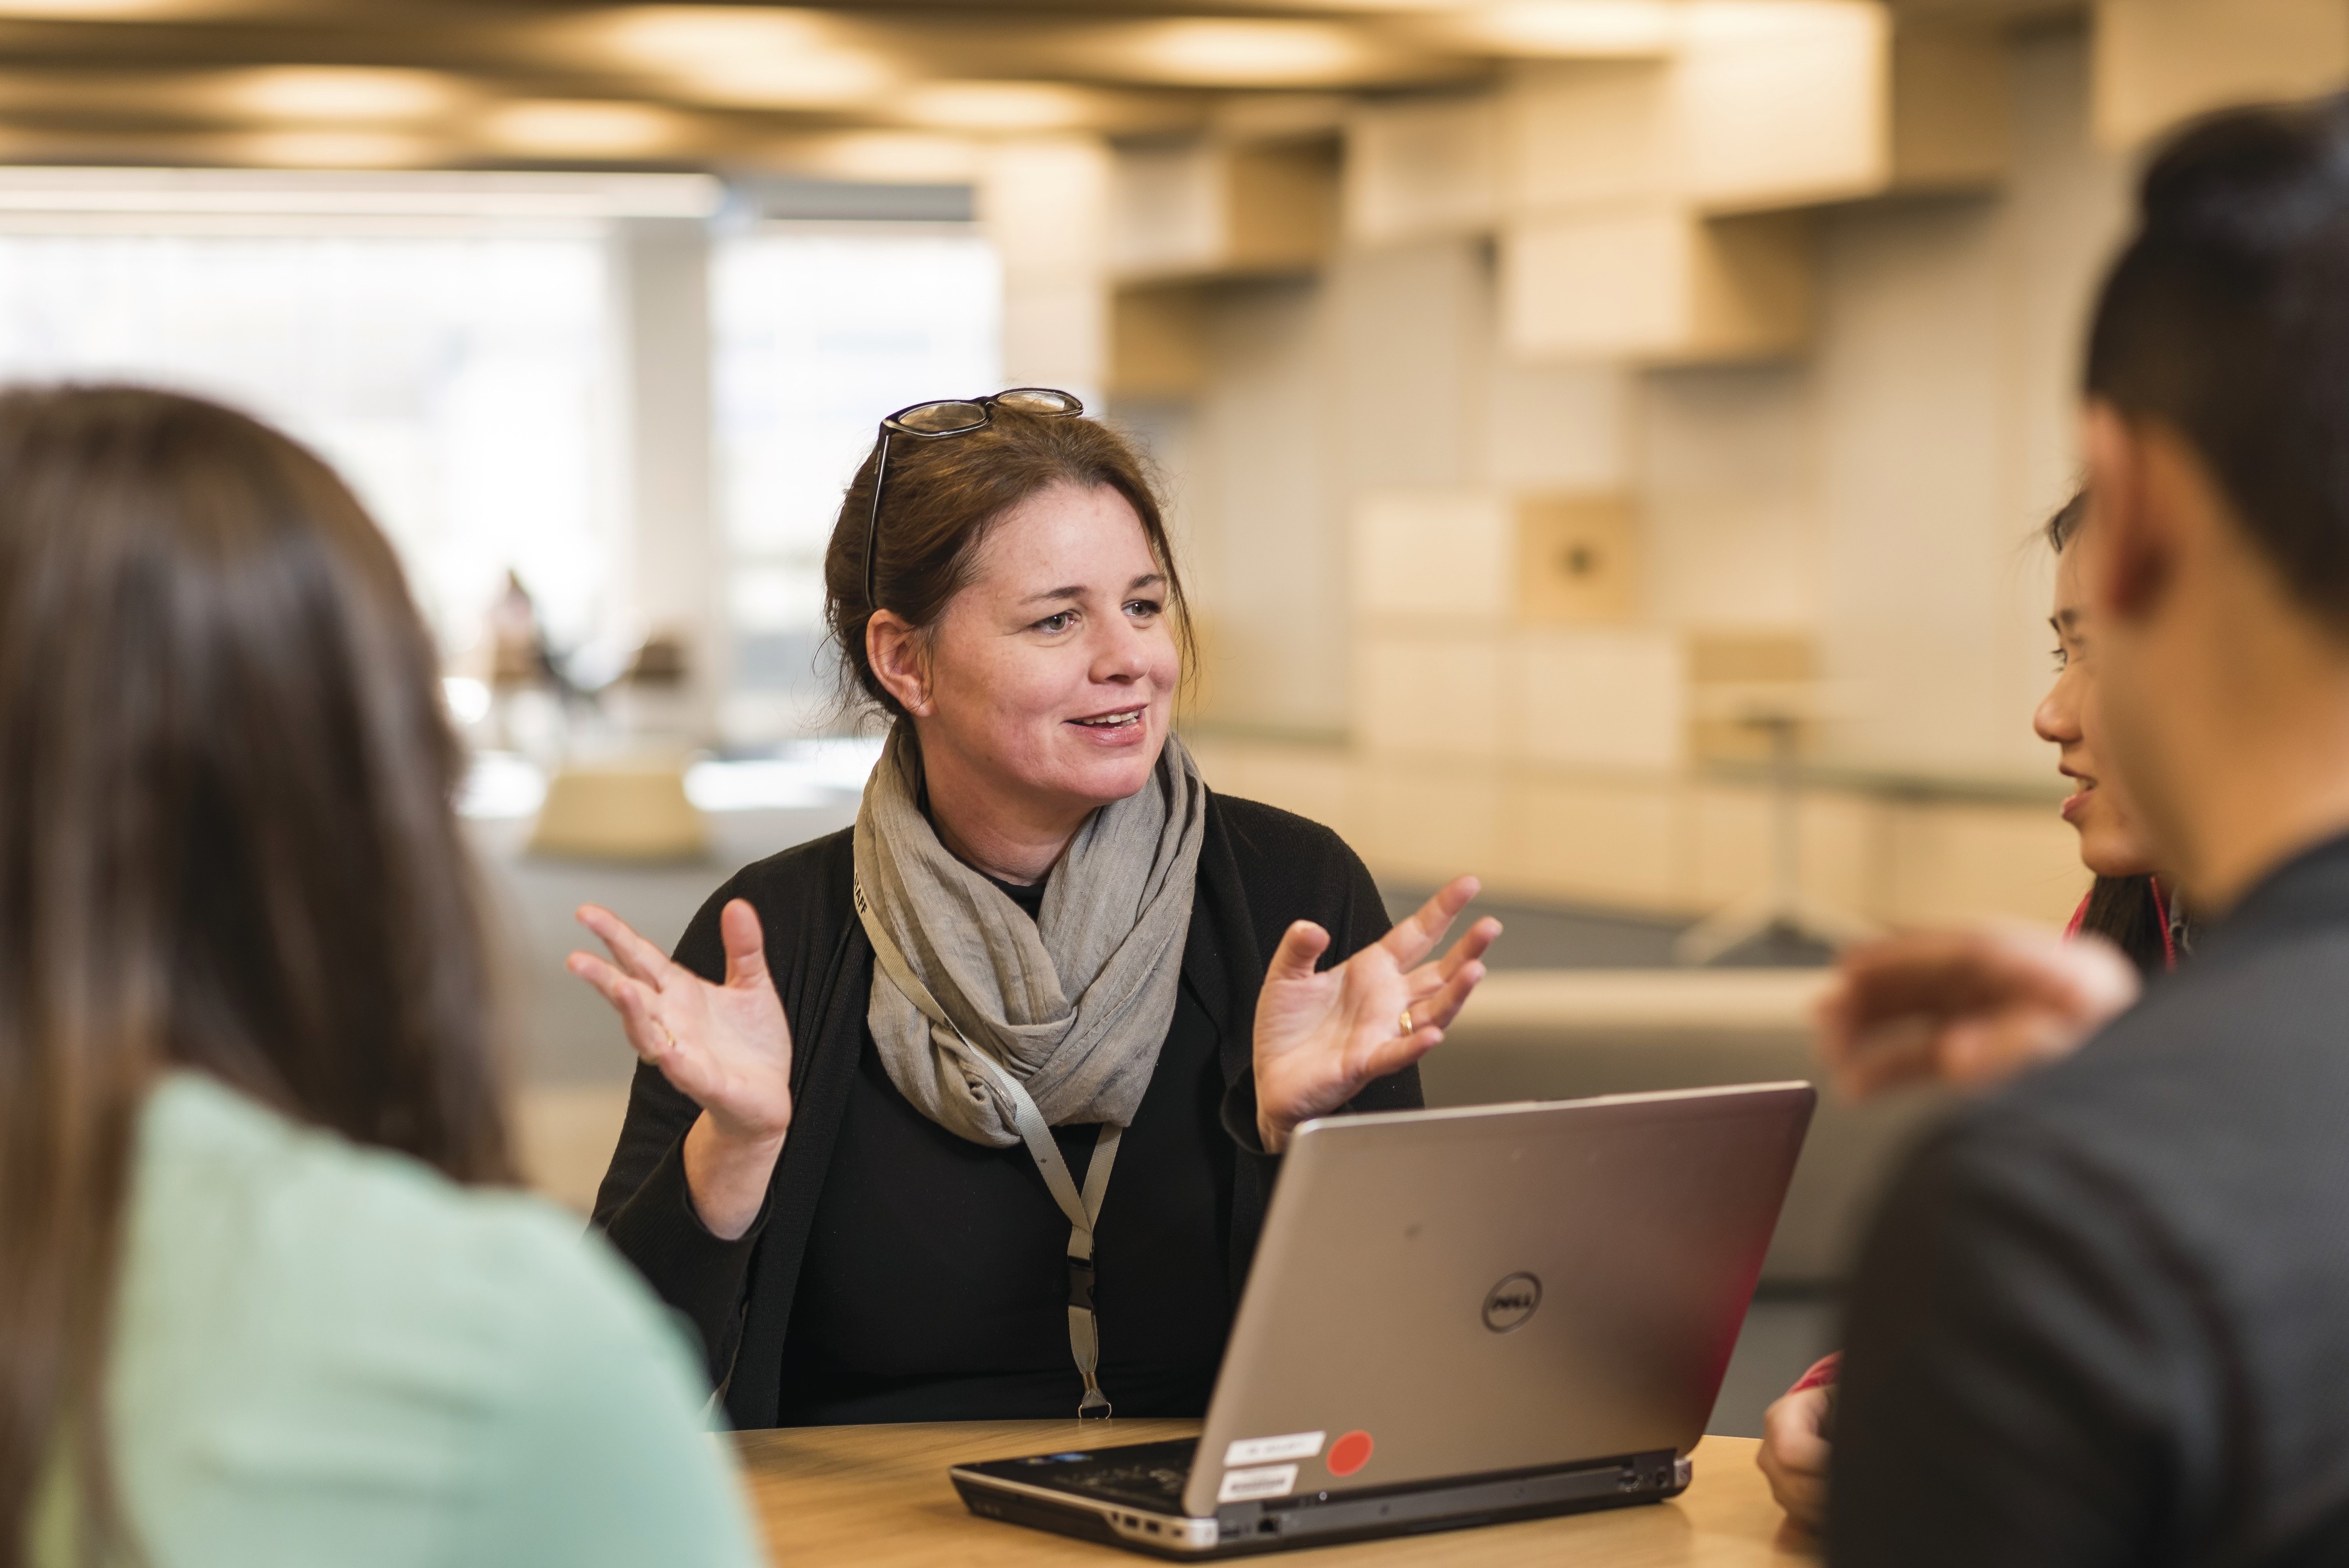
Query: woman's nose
{"x":2058,"y":718}
{"x":1121,"y":655}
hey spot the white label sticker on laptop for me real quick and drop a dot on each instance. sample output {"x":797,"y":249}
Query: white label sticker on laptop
{"x":1264,"y":1450}
{"x":1266,"y":1481}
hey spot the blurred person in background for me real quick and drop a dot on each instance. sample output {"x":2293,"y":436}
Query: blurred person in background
{"x":1972,"y":1009}
{"x":2102,"y":1314}
{"x":263,"y":1299}
{"x":919,"y":1099}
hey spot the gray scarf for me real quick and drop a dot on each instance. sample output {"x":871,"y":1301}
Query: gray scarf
{"x":1074,"y":1003}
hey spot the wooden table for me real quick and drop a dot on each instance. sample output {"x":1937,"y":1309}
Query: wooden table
{"x":878,"y":1497}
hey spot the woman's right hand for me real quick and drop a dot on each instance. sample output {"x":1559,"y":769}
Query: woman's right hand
{"x":1794,"y":1452}
{"x":726,"y":1047}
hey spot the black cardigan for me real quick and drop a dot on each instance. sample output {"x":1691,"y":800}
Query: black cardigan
{"x":1259,"y":871}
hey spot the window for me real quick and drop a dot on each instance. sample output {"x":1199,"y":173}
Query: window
{"x":452,"y":378}
{"x":818,"y":329}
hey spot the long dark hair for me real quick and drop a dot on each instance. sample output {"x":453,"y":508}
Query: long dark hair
{"x":226,"y":843}
{"x":2131,"y":913}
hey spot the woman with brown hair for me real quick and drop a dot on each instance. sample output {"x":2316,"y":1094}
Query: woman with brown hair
{"x":260,"y":1299}
{"x":888,"y":1076}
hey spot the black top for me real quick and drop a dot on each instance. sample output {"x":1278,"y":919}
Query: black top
{"x":935,"y":1288}
{"x":1260,"y":870}
{"x":2103,"y":1317}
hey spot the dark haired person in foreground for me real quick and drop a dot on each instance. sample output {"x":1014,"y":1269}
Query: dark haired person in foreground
{"x":260,"y":1299}
{"x":2104,"y":1317}
{"x":1051,"y":999}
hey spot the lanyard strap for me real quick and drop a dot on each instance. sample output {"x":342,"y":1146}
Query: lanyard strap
{"x":1083,"y":1209}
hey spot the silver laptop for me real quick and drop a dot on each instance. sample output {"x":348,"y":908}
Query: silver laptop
{"x":1456,"y":1318}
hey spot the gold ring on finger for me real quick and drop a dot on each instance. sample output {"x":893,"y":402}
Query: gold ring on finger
{"x":1403,"y":1021}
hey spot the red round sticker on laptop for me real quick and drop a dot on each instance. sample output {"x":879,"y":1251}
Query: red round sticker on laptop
{"x":1349,"y":1453}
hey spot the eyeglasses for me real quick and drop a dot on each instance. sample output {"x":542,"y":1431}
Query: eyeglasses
{"x":951,"y":417}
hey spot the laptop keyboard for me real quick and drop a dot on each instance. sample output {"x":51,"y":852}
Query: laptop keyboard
{"x":1143,"y":1475}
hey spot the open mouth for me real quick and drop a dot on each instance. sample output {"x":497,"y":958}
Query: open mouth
{"x":1129,"y":718}
{"x":2082,"y":788}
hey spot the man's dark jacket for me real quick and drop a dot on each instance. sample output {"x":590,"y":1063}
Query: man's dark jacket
{"x":1259,"y":871}
{"x":2103,"y":1317}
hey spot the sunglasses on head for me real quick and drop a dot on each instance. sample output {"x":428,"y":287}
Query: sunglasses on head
{"x":950,"y":417}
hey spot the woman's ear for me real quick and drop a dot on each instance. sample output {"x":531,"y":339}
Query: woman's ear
{"x":899,"y":654}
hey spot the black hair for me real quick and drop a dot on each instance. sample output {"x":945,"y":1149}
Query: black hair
{"x":2226,"y":318}
{"x":2128,"y":912}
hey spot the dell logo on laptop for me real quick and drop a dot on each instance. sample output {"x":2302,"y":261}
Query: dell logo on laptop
{"x":1508,"y":1304}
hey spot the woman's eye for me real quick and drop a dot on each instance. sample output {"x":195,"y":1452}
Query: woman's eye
{"x":2062,"y":660}
{"x":1143,"y":608}
{"x":1053,"y":624}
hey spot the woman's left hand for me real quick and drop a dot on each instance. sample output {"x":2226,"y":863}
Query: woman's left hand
{"x":1321,"y":1036}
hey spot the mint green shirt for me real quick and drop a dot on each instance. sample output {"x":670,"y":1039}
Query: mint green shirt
{"x":333,"y":1355}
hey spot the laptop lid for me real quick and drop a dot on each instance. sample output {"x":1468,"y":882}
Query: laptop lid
{"x":1454,"y":1292}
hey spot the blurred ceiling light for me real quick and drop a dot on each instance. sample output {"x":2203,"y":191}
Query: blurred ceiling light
{"x":101,"y":10}
{"x":1387,"y":6}
{"x":334,"y":150}
{"x":1571,"y":27}
{"x":996,"y":106}
{"x":1737,"y":21}
{"x":580,"y":128}
{"x":435,"y":193}
{"x":348,"y":94}
{"x":812,"y":78}
{"x":743,"y":55}
{"x":891,"y":155}
{"x":1207,"y":52}
{"x":675,"y":34}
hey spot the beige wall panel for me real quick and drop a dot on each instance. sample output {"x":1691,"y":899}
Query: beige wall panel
{"x":1655,"y":284}
{"x":1431,"y":694}
{"x":1782,"y":114}
{"x":1729,"y":494}
{"x":1842,"y":840}
{"x":1206,"y":209}
{"x":1751,"y":287}
{"x":1169,"y":209}
{"x":1157,"y":341}
{"x":1954,"y":862}
{"x":1422,"y":170}
{"x":1611,"y":843}
{"x":1578,"y":558}
{"x":1056,"y":334}
{"x":1321,"y":783}
{"x":1588,"y":132}
{"x":1788,"y":106}
{"x":1725,"y":845}
{"x":1599,"y":699}
{"x":2160,"y":62}
{"x":1952,"y":118}
{"x":1433,"y":553}
{"x":1551,"y":427}
{"x":1283,"y":205}
{"x":1271,"y":524}
{"x":1044,"y":203}
{"x":1432,"y":823}
{"x":1611,"y":285}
